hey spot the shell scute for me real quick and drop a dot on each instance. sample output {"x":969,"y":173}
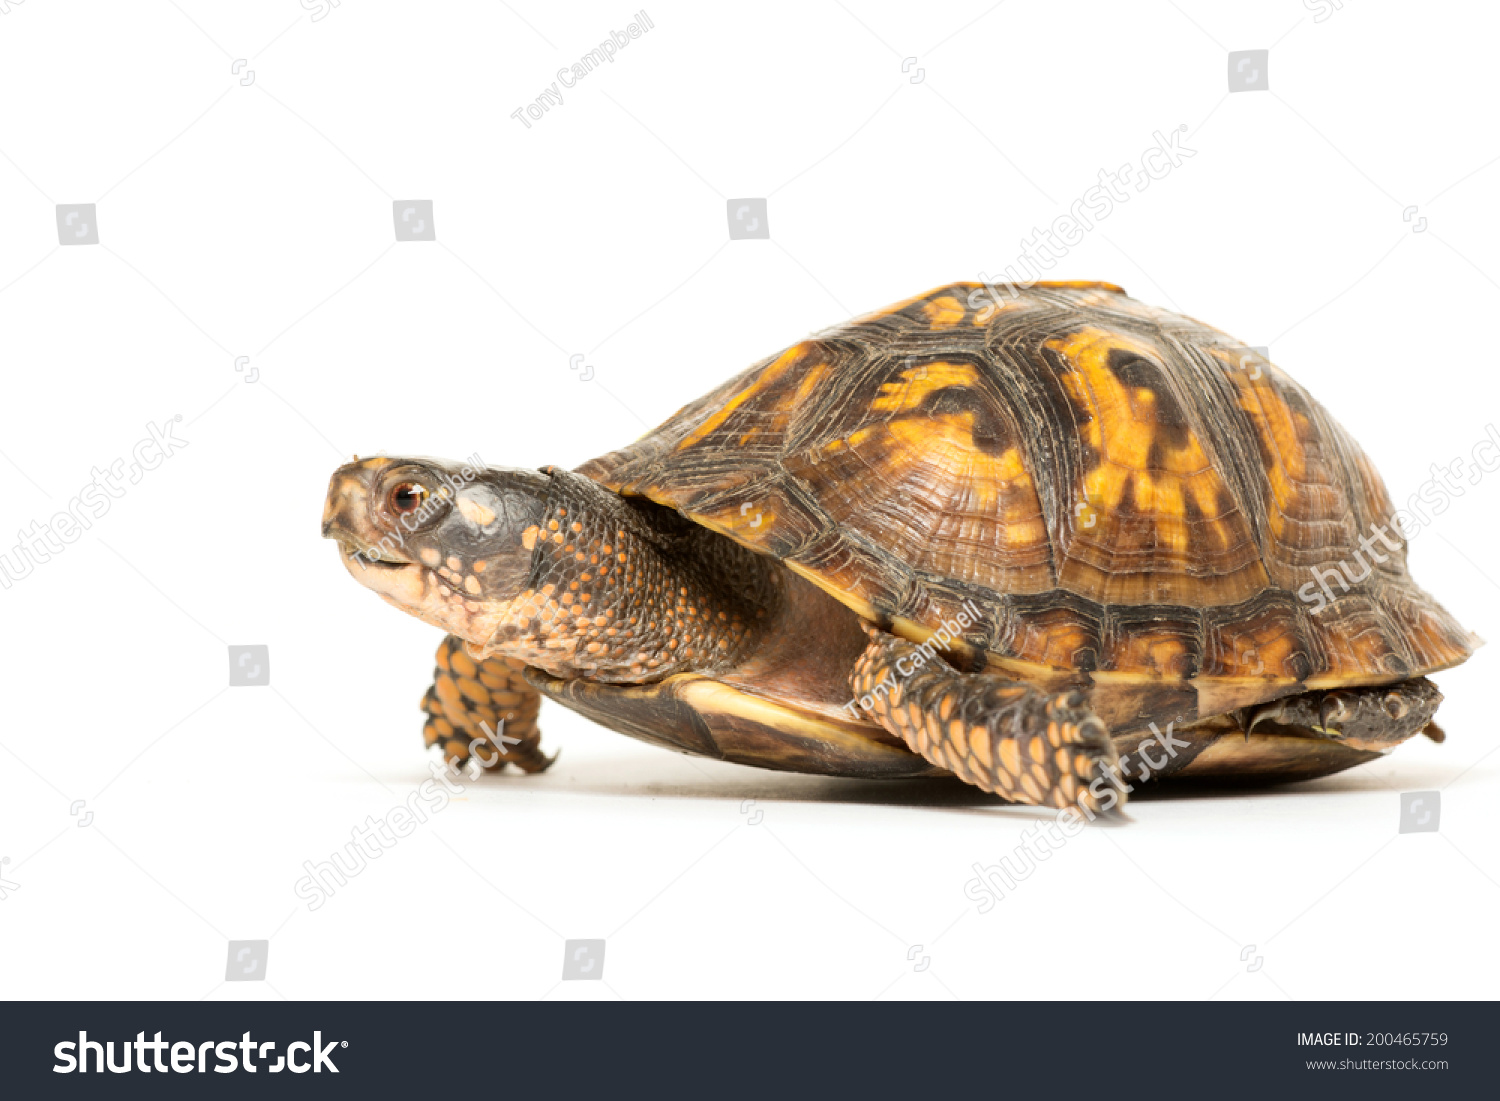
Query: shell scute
{"x":1123,"y":492}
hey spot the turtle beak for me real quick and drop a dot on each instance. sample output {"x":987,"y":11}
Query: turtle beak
{"x":346,"y":514}
{"x":348,"y":501}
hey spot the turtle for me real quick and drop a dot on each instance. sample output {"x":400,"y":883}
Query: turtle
{"x":1044,"y":538}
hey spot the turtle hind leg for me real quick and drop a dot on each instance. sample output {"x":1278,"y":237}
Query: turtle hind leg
{"x":483,"y":710}
{"x":1372,"y":718}
{"x":1004,"y":736}
{"x":1308,"y":736}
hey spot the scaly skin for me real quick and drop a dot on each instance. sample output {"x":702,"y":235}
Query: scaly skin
{"x":1001,"y":735}
{"x":625,"y":596}
{"x":1376,"y":718}
{"x":466,"y":693}
{"x":542,"y":569}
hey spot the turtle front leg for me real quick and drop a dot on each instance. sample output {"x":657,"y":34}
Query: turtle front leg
{"x":1002,"y":735}
{"x":483,"y":709}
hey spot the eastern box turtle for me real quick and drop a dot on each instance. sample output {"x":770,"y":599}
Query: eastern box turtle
{"x":1045,"y":538}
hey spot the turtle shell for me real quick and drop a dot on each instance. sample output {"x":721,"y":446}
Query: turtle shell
{"x":1120,"y":492}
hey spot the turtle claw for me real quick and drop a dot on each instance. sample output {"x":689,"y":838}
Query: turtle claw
{"x":1333,"y":709}
{"x":1004,"y":736}
{"x":1266,"y":711}
{"x":483,"y":710}
{"x":1371,"y":718}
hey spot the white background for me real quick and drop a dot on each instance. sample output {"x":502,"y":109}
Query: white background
{"x":256,"y":220}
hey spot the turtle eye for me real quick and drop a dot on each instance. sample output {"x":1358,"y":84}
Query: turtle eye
{"x":408,"y":497}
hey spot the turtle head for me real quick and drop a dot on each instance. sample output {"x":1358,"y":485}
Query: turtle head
{"x":440,"y":540}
